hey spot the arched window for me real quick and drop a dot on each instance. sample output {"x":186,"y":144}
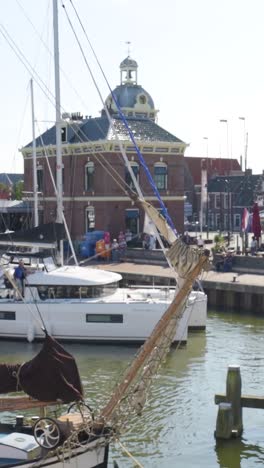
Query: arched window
{"x":89,"y":176}
{"x":161,"y":175}
{"x":128,"y":178}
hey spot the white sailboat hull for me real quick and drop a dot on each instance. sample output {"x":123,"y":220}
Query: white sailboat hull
{"x":126,"y":316}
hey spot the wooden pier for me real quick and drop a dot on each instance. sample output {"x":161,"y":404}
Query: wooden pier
{"x":229,"y":421}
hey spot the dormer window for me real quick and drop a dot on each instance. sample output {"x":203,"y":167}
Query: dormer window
{"x":142,"y":99}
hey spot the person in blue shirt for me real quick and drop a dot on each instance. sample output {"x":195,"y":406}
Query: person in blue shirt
{"x":19,"y":276}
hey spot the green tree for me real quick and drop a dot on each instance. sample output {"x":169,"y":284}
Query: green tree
{"x":17,"y":190}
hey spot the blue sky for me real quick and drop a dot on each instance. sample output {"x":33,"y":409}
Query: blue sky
{"x":201,"y":61}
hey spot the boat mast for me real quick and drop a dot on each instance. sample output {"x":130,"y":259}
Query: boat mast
{"x":58,"y":114}
{"x":58,"y":122}
{"x":34,"y":156}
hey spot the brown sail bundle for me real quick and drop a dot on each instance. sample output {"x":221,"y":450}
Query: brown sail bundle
{"x":52,"y":375}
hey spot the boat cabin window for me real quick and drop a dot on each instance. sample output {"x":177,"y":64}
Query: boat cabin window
{"x":76,"y":292}
{"x":7,"y":315}
{"x":104,"y":318}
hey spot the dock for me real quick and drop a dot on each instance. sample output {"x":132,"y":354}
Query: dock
{"x":228,"y":291}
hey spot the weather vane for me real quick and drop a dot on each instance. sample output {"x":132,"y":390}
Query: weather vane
{"x":128,"y":47}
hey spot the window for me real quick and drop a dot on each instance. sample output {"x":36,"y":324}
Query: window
{"x":226,"y":197}
{"x":7,"y":316}
{"x":75,"y":292}
{"x":135,"y":168}
{"x":160,"y":176}
{"x":40,"y":179}
{"x":90,"y":218}
{"x":217,"y":200}
{"x":63,"y":134}
{"x":142,"y":99}
{"x":132,"y":220}
{"x":226,"y":226}
{"x":217,"y":221}
{"x":89,"y":176}
{"x":104,"y":318}
{"x":237,"y":221}
{"x":211,"y":220}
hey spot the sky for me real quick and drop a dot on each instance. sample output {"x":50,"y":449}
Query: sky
{"x":200,"y":60}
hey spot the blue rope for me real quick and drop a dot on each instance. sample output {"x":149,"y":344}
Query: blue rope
{"x":144,"y":165}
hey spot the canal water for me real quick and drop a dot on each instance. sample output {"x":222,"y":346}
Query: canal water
{"x":177,"y":426}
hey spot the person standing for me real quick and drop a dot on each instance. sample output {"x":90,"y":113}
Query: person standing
{"x":253,"y":246}
{"x":19,"y":277}
{"x":115,"y":251}
{"x":200,"y":242}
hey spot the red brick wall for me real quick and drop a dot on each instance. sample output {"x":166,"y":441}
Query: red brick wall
{"x":109,"y":215}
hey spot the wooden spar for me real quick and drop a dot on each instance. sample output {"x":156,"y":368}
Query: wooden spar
{"x":151,"y":342}
{"x":23,"y":403}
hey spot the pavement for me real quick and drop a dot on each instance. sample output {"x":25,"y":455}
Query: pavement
{"x":166,"y":272}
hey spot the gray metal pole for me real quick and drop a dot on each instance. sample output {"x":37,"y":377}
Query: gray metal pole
{"x":34,"y":156}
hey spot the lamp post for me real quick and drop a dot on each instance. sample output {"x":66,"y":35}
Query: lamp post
{"x":206,"y":186}
{"x":227,"y":182}
{"x":243,"y":119}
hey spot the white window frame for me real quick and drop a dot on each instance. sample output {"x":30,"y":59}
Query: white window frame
{"x":237,"y":216}
{"x":89,"y":164}
{"x":217,"y":197}
{"x":161,"y":164}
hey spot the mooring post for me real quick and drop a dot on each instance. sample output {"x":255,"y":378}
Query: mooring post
{"x":233,"y":396}
{"x":224,"y":421}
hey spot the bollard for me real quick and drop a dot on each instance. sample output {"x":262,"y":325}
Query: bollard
{"x":224,"y":421}
{"x":233,"y":396}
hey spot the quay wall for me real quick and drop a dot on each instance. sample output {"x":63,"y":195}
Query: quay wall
{"x":241,"y":289}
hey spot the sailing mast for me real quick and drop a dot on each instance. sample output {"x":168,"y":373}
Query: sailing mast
{"x":58,"y":120}
{"x":34,"y":155}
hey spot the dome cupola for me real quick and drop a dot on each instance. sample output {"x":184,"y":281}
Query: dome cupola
{"x":133,"y":100}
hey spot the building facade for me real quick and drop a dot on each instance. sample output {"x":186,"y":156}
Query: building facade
{"x":96,"y":181}
{"x":219,"y":191}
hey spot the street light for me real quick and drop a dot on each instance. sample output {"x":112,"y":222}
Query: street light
{"x":205,"y":188}
{"x":227,"y":182}
{"x":244,"y":141}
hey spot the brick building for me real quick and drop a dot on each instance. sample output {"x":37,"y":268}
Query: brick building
{"x":95,"y":179}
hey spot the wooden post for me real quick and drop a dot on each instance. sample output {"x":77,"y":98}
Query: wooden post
{"x":224,"y":422}
{"x":233,"y":396}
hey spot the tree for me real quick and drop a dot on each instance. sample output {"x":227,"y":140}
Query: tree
{"x":17,"y":190}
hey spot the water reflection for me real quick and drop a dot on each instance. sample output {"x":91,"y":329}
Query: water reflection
{"x":177,"y":426}
{"x":236,"y":453}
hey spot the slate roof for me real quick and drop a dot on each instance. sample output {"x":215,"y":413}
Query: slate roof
{"x":94,"y":129}
{"x":128,"y":62}
{"x":126,"y":95}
